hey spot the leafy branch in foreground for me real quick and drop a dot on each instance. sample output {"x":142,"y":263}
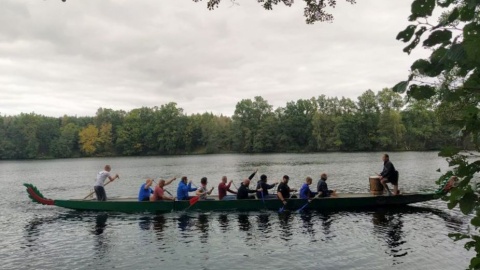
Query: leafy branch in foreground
{"x":314,"y":11}
{"x":451,"y":78}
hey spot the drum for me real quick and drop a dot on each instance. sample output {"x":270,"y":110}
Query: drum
{"x":376,"y":188}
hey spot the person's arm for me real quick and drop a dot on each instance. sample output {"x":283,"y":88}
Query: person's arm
{"x":253,"y":174}
{"x":386,"y":170}
{"x":228,"y":186}
{"x":170,"y":181}
{"x":271,"y":186}
{"x":168,"y":198}
{"x":210,"y":192}
{"x":113,"y":178}
{"x":189,"y":187}
{"x":231,"y":191}
{"x":280,"y":197}
{"x":199,"y":192}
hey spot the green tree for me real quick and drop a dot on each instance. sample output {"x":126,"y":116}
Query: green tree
{"x":324,"y":123}
{"x":67,"y":144}
{"x":246,"y":120}
{"x":453,"y":69}
{"x":296,"y":125}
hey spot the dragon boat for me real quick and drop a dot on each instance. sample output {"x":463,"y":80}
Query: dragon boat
{"x":342,"y":201}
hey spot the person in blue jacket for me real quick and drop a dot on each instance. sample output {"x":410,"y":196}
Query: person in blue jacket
{"x":305,"y":192}
{"x":184,"y":188}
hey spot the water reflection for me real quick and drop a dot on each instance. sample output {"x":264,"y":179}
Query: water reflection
{"x":326,"y":220}
{"x":145,"y":223}
{"x":223,"y":221}
{"x":389,"y":227}
{"x":244,"y":222}
{"x":100,"y":224}
{"x":184,"y":222}
{"x":203,"y":226}
{"x":306,"y":217}
{"x":285,"y":220}
{"x":264,"y":223}
{"x":101,"y":245}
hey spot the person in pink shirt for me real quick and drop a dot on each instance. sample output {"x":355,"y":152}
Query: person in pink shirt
{"x":158,"y":193}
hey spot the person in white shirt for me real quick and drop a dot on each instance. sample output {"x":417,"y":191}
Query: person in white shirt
{"x":99,"y":182}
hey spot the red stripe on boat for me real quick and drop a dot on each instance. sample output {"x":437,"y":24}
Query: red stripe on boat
{"x":39,"y":199}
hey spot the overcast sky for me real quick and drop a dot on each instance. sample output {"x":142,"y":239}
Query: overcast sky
{"x":71,"y":58}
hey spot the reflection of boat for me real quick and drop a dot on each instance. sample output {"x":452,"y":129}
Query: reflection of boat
{"x":340,"y":202}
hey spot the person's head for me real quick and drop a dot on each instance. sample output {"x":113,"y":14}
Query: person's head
{"x":161,"y":183}
{"x":385,"y":157}
{"x":263,"y":178}
{"x":184,"y":179}
{"x":324,"y":176}
{"x":246,"y":182}
{"x":107,"y":168}
{"x":148,"y":182}
{"x":203,"y":181}
{"x":285,"y":179}
{"x":224,"y":179}
{"x":308,"y":180}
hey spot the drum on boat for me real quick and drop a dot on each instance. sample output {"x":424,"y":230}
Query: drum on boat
{"x":376,"y":188}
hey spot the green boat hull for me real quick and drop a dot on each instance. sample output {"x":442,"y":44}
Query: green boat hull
{"x":341,"y":202}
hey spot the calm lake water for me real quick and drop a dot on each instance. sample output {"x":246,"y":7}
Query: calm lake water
{"x":41,"y":237}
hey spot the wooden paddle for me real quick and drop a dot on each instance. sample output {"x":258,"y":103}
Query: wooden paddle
{"x":91,"y":193}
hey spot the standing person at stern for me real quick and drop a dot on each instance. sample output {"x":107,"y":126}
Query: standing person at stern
{"x":99,"y":182}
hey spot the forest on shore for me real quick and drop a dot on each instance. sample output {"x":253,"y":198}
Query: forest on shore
{"x":382,"y":121}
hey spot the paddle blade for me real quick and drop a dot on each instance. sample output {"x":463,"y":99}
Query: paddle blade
{"x":194,"y":200}
{"x":303,"y":207}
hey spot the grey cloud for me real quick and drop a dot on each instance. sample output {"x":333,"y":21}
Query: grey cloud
{"x":71,"y":58}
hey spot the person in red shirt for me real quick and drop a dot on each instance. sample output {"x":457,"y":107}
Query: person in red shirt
{"x":223,"y":188}
{"x":158,"y":193}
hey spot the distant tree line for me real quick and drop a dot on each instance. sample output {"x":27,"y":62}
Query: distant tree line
{"x":374,"y":122}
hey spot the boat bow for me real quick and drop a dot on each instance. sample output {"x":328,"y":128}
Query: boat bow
{"x":37,"y":196}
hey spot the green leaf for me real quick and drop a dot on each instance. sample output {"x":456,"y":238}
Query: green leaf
{"x":438,"y":37}
{"x":407,"y":34}
{"x":421,"y":65}
{"x":471,"y":30}
{"x":453,"y":16}
{"x":469,"y":245}
{"x":421,"y":8}
{"x":475,"y":221}
{"x":456,"y":194}
{"x":416,"y":40}
{"x":456,"y":53}
{"x":439,"y":55}
{"x":467,"y":203}
{"x":452,"y":204}
{"x":474,"y":263}
{"x":448,"y":151}
{"x":467,"y":13}
{"x":400,"y":87}
{"x":458,"y":236}
{"x":421,"y":92}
